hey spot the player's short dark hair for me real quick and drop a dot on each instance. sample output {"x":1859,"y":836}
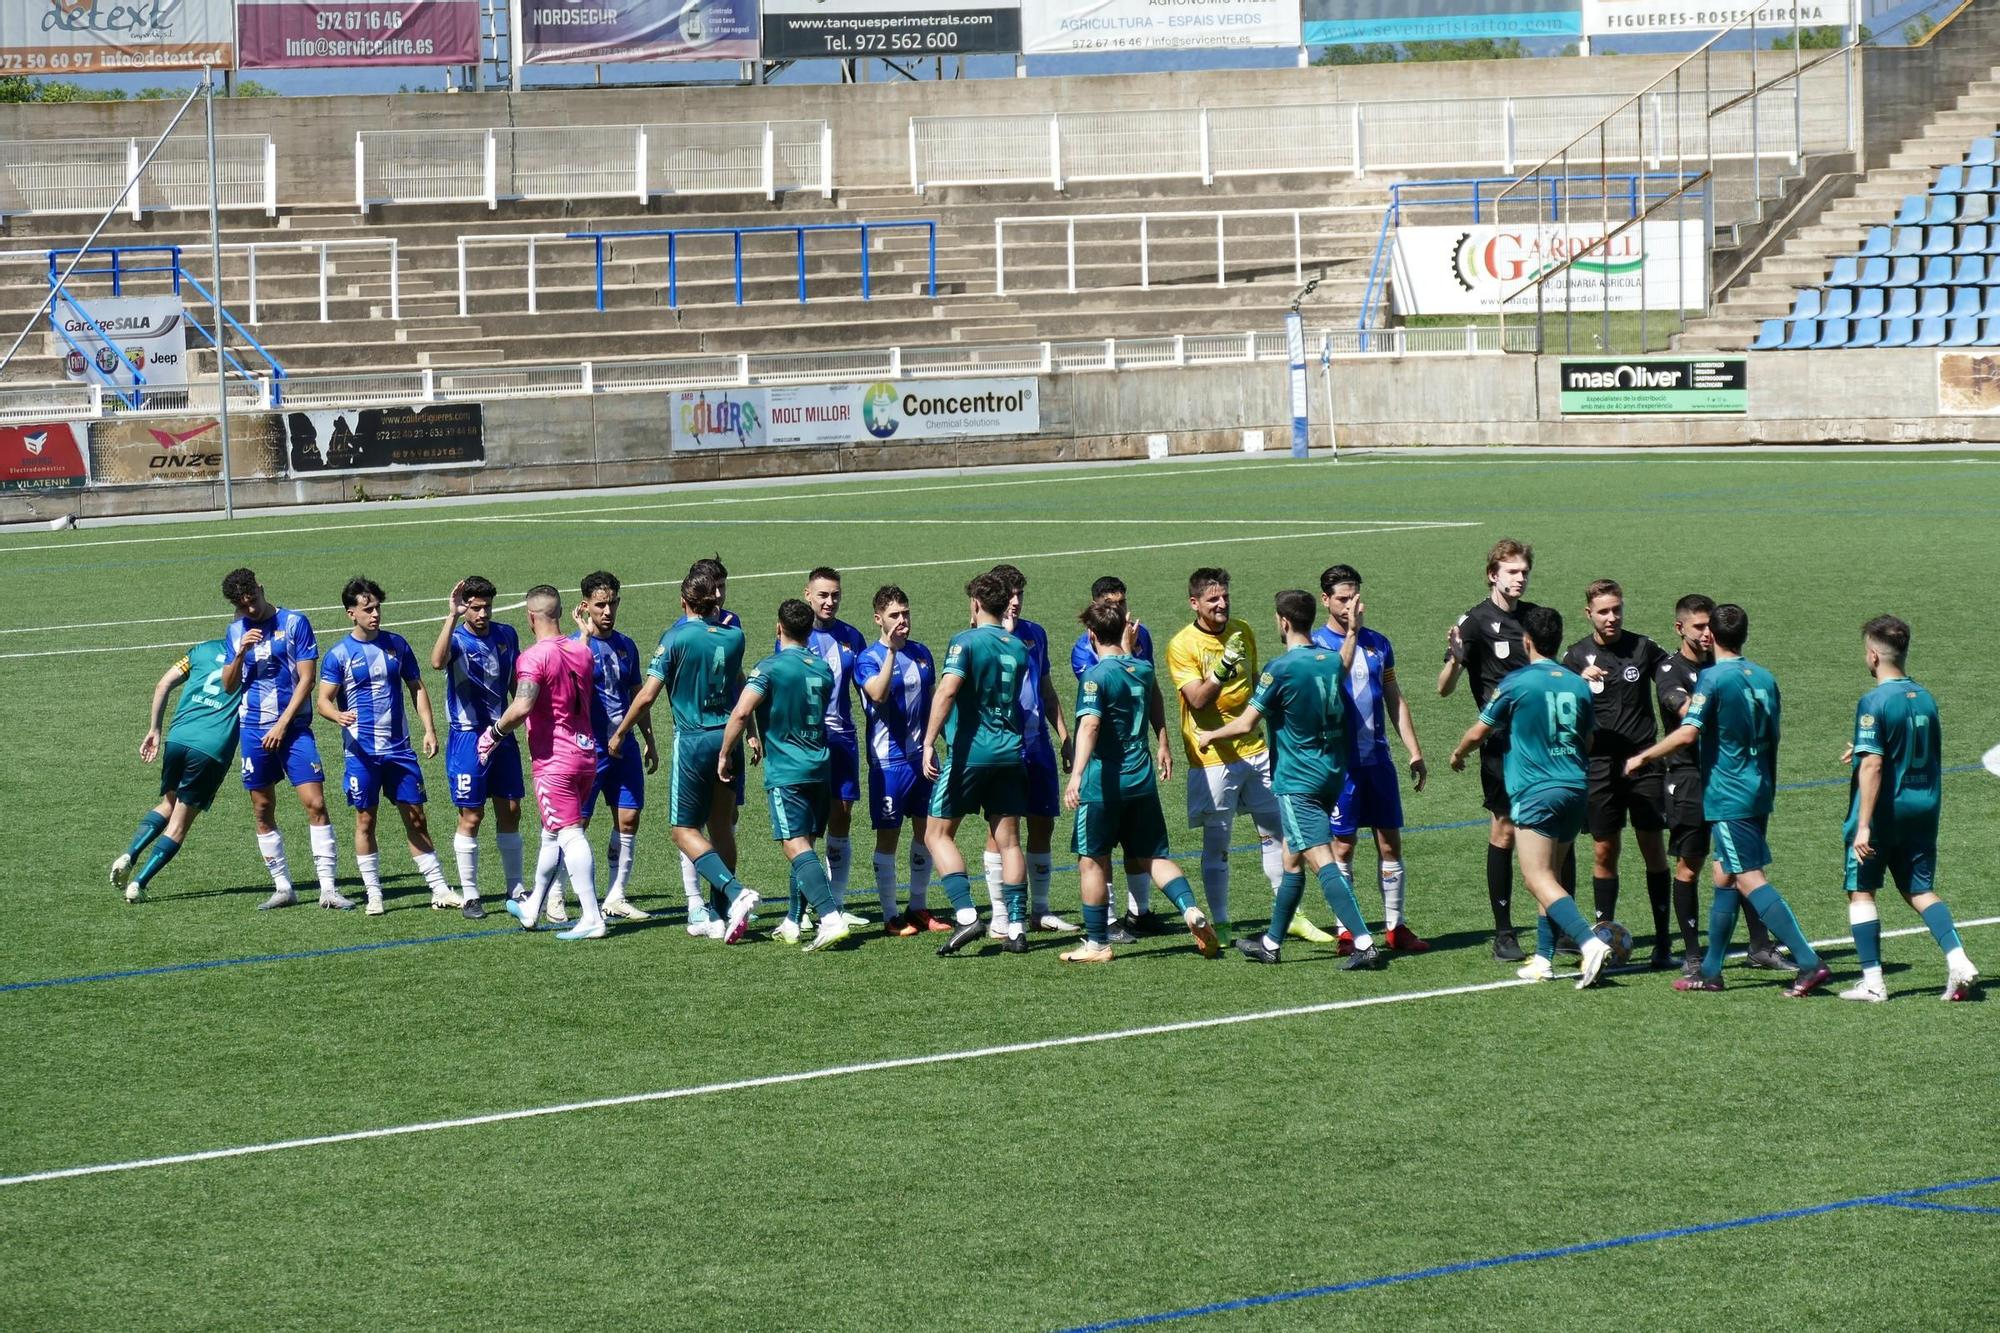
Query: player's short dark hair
{"x":827,"y":572}
{"x":1335,"y":575}
{"x":477,"y":586}
{"x":1105,"y":620}
{"x":238,"y":583}
{"x":1730,"y":624}
{"x":990,"y":591}
{"x":710,"y":566}
{"x":1298,"y":609}
{"x":1543,"y":626}
{"x":1891,"y":637}
{"x":1012,"y":576}
{"x":358,"y":587}
{"x":544,"y":596}
{"x":889,"y":595}
{"x":795,"y":619}
{"x":1107,"y":586}
{"x":1692,"y":603}
{"x":1508,"y":549}
{"x":602,"y":578}
{"x":1602,"y":588}
{"x":699,"y":591}
{"x":1208,"y":576}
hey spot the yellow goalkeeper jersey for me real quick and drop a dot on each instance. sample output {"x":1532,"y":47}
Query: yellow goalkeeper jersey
{"x":1191,"y":655}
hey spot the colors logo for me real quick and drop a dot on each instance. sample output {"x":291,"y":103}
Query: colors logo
{"x":722,"y":415}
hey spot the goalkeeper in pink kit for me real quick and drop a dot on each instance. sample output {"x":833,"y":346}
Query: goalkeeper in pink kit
{"x":552,"y":695}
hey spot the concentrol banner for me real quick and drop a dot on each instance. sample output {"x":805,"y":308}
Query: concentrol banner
{"x":801,"y":29}
{"x":556,"y":32}
{"x":99,"y":36}
{"x":1055,"y":27}
{"x":308,"y":34}
{"x":1625,"y":17}
{"x":1473,"y":270}
{"x":886,"y":412}
{"x":1348,"y":22}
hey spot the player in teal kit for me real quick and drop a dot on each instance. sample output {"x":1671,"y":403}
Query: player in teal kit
{"x":787,"y":694}
{"x":1892,"y":814}
{"x":1735,"y":716}
{"x":201,"y":750}
{"x":1545,"y":710}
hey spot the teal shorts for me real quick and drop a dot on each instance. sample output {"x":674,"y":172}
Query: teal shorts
{"x":691,"y":790}
{"x":191,"y":777}
{"x":1557,"y":813}
{"x":1739,"y":844}
{"x":1913,"y":865}
{"x":1133,"y":824}
{"x":799,"y":812}
{"x":992,"y":793}
{"x":1308,"y":820}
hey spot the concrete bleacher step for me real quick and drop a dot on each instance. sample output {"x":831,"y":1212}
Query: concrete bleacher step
{"x":995,"y":333}
{"x":439,"y":333}
{"x":470,"y":356}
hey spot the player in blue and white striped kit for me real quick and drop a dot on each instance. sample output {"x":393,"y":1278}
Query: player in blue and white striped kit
{"x":274,"y":660}
{"x":477,"y":655}
{"x":840,"y":646}
{"x":615,"y":672}
{"x":361,"y":691}
{"x":897,"y":678}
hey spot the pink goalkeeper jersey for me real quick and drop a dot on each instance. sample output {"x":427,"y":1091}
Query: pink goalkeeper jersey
{"x":559,"y":735}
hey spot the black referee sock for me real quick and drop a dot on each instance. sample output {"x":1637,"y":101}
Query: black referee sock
{"x":1500,"y":886}
{"x":1659,"y":894}
{"x":1604,"y":896}
{"x":1760,"y":938}
{"x":1687,"y":908}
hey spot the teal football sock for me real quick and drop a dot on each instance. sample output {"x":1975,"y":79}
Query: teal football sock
{"x":1285,"y":903}
{"x":711,"y":868}
{"x":810,"y":883}
{"x":1179,"y":894}
{"x":151,"y":825}
{"x":958,"y":889}
{"x":1097,"y":923}
{"x":1568,"y":918}
{"x":1721,"y":925}
{"x":1867,"y":940}
{"x":163,"y":852}
{"x":1339,"y":891}
{"x":1016,"y":898}
{"x":1777,"y":914}
{"x":1545,"y":938}
{"x":1938,"y":917}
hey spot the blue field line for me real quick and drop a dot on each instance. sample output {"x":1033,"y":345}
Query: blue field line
{"x":510,"y":930}
{"x":1898,"y":1199}
{"x":1945,"y":1207}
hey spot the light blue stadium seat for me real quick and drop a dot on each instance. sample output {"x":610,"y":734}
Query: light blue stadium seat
{"x":1878,"y":242}
{"x":1943,"y":209}
{"x":1898,"y":332}
{"x":1930,"y":332}
{"x":1978,"y":179}
{"x":1835,"y":303}
{"x":1847,"y":271}
{"x":1832,"y":333}
{"x":1964,"y":303}
{"x":1905,"y":241}
{"x":1938,"y":241}
{"x":1903,"y":273}
{"x":1991,"y":309}
{"x":1867,"y":333}
{"x":1912,"y":212}
{"x":1989,"y":333}
{"x":1771,"y":336}
{"x":1969,"y":271}
{"x":1949,"y":180}
{"x":1964,"y":333}
{"x":1937,"y":271}
{"x":1932,"y":302}
{"x":1972,"y":240}
{"x":1806,"y":305}
{"x":1975,"y":207}
{"x":1981,"y":154}
{"x":1804,"y":333}
{"x":1902,"y":303}
{"x":1870,"y":302}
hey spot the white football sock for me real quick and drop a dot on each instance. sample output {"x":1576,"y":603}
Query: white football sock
{"x":510,"y":860}
{"x":622,"y":847}
{"x":1957,"y":958}
{"x":326,"y":855}
{"x":1215,"y":869}
{"x":994,"y":898}
{"x":691,"y":885}
{"x":271,"y":846}
{"x":582,"y":868}
{"x":839,"y":860}
{"x":547,"y":858}
{"x":920,"y":877}
{"x":1272,"y":849}
{"x":1391,"y":875}
{"x":885,"y":883}
{"x":1040,"y":866}
{"x":433,"y":873}
{"x":466,"y":850}
{"x":1139,"y":892}
{"x":371,"y":872}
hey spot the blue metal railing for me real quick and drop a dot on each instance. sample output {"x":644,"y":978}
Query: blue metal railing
{"x":117,"y":267}
{"x":674,"y":236}
{"x":277,"y":371}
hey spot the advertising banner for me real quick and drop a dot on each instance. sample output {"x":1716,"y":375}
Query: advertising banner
{"x":801,"y":29}
{"x":151,"y":331}
{"x":50,"y":457}
{"x":1968,"y":384}
{"x":311,"y":34}
{"x":1056,"y":27}
{"x":556,"y":32}
{"x":1625,"y":17}
{"x":1650,"y":387}
{"x":836,"y":414}
{"x":100,"y":36}
{"x":1472,"y":270}
{"x":1347,"y":22}
{"x":384,"y":439}
{"x":130,"y":450}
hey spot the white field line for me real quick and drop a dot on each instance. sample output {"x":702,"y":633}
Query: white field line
{"x":817,"y":1075}
{"x":1231,"y":540}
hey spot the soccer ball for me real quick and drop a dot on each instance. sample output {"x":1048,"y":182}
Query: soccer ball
{"x":1620,"y":940}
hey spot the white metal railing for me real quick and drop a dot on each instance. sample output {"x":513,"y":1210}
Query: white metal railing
{"x":1481,"y":133}
{"x":591,"y":162}
{"x":59,"y":176}
{"x":387,"y":388}
{"x":530,"y":241}
{"x":254,"y":279}
{"x":1219,"y":218}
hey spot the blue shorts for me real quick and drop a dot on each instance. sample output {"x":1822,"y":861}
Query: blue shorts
{"x":471,"y":785}
{"x":845,"y":758}
{"x":1044,"y":783}
{"x":1739,"y":844}
{"x":369,"y":775}
{"x":1557,"y":813}
{"x":296,"y":759}
{"x":621,"y":781}
{"x":895,"y":793}
{"x":1372,"y":798}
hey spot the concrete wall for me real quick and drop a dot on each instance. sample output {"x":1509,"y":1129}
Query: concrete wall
{"x":1906,"y":86}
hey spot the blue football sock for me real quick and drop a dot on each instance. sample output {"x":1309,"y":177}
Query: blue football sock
{"x":1777,"y":914}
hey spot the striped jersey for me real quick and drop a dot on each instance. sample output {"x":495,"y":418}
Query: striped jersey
{"x":368,"y":679}
{"x":1368,"y":718}
{"x":479,"y":675}
{"x":269,"y":671}
{"x":614,"y":672}
{"x":896,"y":725}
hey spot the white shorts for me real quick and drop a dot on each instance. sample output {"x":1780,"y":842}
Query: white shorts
{"x":1218,"y":793}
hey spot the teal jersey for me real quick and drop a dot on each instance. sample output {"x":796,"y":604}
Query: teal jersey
{"x":699,"y":661}
{"x":791,"y":716}
{"x":984,"y":729}
{"x":1116,"y":692}
{"x":1304,"y":708}
{"x":1898,"y":720}
{"x":205,"y":718}
{"x":1546,"y":711}
{"x":1735,"y":708}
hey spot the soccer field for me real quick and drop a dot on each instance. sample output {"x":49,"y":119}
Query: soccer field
{"x":307,"y":1118}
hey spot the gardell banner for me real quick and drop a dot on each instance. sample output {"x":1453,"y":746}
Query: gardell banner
{"x":1348,"y":22}
{"x":311,"y":34}
{"x":557,"y":32}
{"x":1054,"y":27}
{"x":49,"y":457}
{"x":384,"y":439}
{"x":802,"y":29}
{"x":129,"y":451}
{"x":835,"y":414}
{"x":151,"y":331}
{"x":1623,"y":18}
{"x":97,"y":36}
{"x":1473,"y":270}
